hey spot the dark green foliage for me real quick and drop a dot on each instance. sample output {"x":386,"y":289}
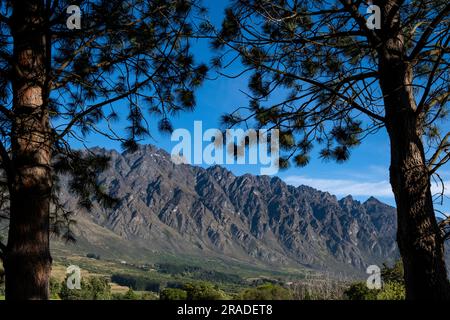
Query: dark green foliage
{"x":360,"y":291}
{"x":331,"y":81}
{"x":55,"y":288}
{"x":173,"y":294}
{"x":131,"y":61}
{"x":392,"y":291}
{"x":199,"y":273}
{"x":174,"y":284}
{"x":131,"y":295}
{"x":393,"y":286}
{"x":217,"y":277}
{"x":203,"y":291}
{"x":175,"y":268}
{"x":389,"y":291}
{"x":230,"y":29}
{"x":394,"y":273}
{"x":267,"y":291}
{"x":193,"y":291}
{"x":313,"y":71}
{"x":136,"y":283}
{"x":93,"y":288}
{"x":93,"y":256}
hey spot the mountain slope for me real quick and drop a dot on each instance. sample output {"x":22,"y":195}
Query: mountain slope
{"x":210,"y":212}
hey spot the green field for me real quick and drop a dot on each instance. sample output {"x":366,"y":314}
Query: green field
{"x":170,"y":270}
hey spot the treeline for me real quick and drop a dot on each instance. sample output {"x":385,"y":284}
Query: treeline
{"x":199,"y":273}
{"x":94,"y":288}
{"x":207,"y":291}
{"x":136,"y":283}
{"x":98,"y":288}
{"x":140,"y":283}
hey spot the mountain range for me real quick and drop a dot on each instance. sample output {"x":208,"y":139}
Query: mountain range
{"x":211,"y":213}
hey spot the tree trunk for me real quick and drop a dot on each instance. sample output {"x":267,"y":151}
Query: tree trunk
{"x":28,"y":260}
{"x":418,"y":236}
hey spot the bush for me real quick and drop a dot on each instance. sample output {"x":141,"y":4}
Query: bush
{"x":266,"y":292}
{"x":393,"y":286}
{"x":93,"y":288}
{"x":131,"y":295}
{"x":392,"y":291}
{"x":173,"y":294}
{"x":360,"y":291}
{"x":148,"y":296}
{"x":55,"y":289}
{"x":394,"y":274}
{"x":203,"y":291}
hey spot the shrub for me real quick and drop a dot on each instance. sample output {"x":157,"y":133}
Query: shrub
{"x":392,"y":291}
{"x":55,"y":289}
{"x":173,"y":294}
{"x":93,"y":288}
{"x":266,"y":292}
{"x":394,"y":274}
{"x":393,"y":286}
{"x":131,"y":295}
{"x":203,"y":291}
{"x":360,"y":291}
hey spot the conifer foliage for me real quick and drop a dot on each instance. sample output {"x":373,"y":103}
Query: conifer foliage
{"x":128,"y":60}
{"x":323,"y":76}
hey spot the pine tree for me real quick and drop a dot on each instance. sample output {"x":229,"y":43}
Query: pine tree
{"x":58,"y":82}
{"x":337,"y":79}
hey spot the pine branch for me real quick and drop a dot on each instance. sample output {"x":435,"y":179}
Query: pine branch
{"x":443,"y":147}
{"x":332,"y":91}
{"x":430,"y":82}
{"x":94,"y":107}
{"x":428,"y":32}
{"x":361,"y":21}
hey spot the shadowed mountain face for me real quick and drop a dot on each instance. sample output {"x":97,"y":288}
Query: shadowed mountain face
{"x":210,"y":212}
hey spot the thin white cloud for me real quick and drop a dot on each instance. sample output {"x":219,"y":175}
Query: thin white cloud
{"x":341,"y":187}
{"x":344,"y":187}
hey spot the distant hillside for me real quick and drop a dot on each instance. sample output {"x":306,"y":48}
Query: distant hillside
{"x":188,"y":210}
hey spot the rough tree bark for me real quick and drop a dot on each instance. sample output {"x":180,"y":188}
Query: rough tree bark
{"x":28,"y":259}
{"x":418,"y":236}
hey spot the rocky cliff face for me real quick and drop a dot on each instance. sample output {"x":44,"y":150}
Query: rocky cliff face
{"x":210,"y":212}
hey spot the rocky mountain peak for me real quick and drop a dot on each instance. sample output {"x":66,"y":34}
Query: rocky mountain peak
{"x":257,"y":219}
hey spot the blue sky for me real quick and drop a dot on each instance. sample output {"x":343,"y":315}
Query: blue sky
{"x":364,"y":175}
